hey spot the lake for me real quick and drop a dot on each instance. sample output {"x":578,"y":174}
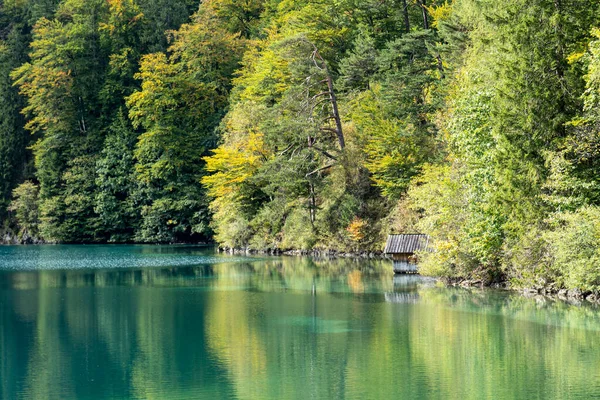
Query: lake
{"x":182,"y":322}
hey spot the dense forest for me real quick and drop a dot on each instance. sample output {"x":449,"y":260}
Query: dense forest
{"x":309,"y":124}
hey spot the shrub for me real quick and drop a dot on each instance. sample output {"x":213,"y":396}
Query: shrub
{"x":575,"y":248}
{"x":25,"y":207}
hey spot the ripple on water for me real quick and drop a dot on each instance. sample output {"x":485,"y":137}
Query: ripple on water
{"x":31,"y":258}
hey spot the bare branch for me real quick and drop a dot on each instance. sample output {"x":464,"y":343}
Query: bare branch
{"x":321,"y":94}
{"x":316,"y":171}
{"x":327,"y":129}
{"x":286,"y":149}
{"x":324,"y":152}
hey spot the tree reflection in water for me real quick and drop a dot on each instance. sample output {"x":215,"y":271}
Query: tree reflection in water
{"x":284,"y":328}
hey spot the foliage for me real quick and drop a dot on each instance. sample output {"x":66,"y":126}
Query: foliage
{"x":180,"y":103}
{"x":14,"y":157}
{"x":314,"y":111}
{"x":574,"y":246}
{"x":115,"y":200}
{"x":25,"y":207}
{"x":102,"y":177}
{"x":304,"y":124}
{"x":441,"y":197}
{"x":395,"y":148}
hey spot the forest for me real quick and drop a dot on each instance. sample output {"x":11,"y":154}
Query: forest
{"x":309,"y":125}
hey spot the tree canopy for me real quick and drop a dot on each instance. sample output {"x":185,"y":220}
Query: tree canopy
{"x":301,"y":124}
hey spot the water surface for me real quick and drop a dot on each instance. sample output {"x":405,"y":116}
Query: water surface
{"x":181,"y":322}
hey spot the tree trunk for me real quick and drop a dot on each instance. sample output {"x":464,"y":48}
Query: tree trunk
{"x":560,"y":67}
{"x":313,"y":204}
{"x":440,"y":66}
{"x":335,"y":114}
{"x":405,"y":12}
{"x":424,"y":11}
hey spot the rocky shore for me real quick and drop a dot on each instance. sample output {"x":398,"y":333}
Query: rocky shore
{"x":573,"y":296}
{"x":307,"y":253}
{"x":9,"y":238}
{"x":551,"y":293}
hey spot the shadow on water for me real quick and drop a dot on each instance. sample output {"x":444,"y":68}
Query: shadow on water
{"x":279,"y":328}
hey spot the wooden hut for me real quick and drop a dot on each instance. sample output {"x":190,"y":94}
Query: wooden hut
{"x":402,"y":248}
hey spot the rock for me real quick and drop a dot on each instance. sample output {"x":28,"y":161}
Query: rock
{"x":592,"y":297}
{"x":576,"y":294}
{"x":574,"y":301}
{"x":499,"y":285}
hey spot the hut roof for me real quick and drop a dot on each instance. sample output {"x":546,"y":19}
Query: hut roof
{"x":397,"y":244}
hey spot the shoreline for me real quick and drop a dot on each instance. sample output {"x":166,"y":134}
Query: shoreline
{"x":8,"y":240}
{"x":375,"y":255}
{"x":572,"y":296}
{"x":541,"y":294}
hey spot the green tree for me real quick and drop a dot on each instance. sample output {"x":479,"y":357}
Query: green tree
{"x":25,"y":207}
{"x":511,"y":97}
{"x":181,"y":101}
{"x":16,"y":18}
{"x":60,"y":84}
{"x":161,"y":16}
{"x":115,"y":200}
{"x":13,"y":137}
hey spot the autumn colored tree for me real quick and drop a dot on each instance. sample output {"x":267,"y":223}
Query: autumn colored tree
{"x":182,"y":98}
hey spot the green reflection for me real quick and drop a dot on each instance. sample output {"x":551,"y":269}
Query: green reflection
{"x":284,"y":328}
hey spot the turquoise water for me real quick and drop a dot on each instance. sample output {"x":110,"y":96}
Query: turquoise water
{"x":181,"y":322}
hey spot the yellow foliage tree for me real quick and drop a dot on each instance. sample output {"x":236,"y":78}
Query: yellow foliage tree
{"x":233,"y":164}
